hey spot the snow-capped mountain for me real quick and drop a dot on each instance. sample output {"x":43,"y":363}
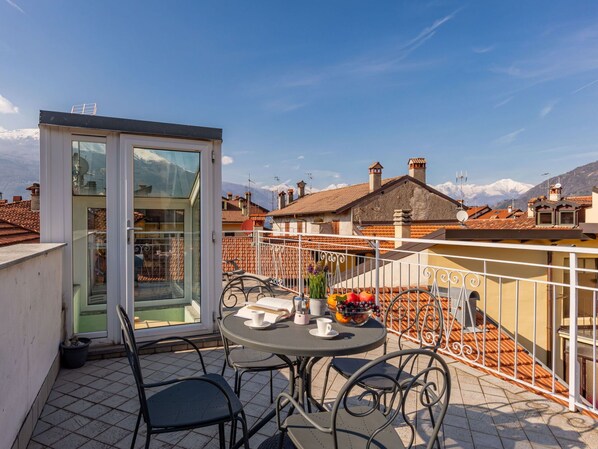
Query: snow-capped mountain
{"x":474,"y":194}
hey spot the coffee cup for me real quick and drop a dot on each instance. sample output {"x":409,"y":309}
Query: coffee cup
{"x":257,"y":317}
{"x":324,"y":326}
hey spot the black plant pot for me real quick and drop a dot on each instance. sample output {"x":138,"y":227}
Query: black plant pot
{"x":75,"y":356}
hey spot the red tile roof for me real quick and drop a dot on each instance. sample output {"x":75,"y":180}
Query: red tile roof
{"x":499,"y":213}
{"x":20,"y":214}
{"x":583,"y":200}
{"x":12,"y":234}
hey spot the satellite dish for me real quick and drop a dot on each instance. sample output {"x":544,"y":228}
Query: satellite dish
{"x":462,"y":216}
{"x":558,"y":185}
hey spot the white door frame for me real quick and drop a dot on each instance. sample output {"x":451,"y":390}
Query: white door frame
{"x":210,"y":225}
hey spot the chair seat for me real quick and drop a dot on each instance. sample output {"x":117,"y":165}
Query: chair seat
{"x":248,"y":358}
{"x":346,"y":366}
{"x":192,"y":403}
{"x":352,"y":431}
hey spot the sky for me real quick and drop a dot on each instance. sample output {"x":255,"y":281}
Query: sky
{"x":503,"y":89}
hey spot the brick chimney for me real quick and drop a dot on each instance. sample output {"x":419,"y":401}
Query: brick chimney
{"x":301,"y":189}
{"x":402,"y":223}
{"x":17,"y":199}
{"x":555,"y":192}
{"x":375,"y":176}
{"x":282,"y":200}
{"x":34,"y":188}
{"x":291,"y":195}
{"x":229,"y":195}
{"x":417,"y":168}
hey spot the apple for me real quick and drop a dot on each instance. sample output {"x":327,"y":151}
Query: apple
{"x":367,"y":297}
{"x":353,"y":297}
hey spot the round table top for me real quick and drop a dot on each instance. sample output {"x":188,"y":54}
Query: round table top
{"x":288,"y":338}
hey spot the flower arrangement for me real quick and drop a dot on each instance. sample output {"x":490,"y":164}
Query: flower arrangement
{"x":316,"y":280}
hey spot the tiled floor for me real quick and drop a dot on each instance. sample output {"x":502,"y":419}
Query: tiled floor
{"x":95,"y":407}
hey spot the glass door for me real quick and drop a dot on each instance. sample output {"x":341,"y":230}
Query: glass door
{"x":163,"y":235}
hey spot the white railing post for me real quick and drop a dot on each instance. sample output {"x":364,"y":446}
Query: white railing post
{"x":258,"y":252}
{"x":573,"y":378}
{"x":300,"y":274}
{"x":378,"y":272}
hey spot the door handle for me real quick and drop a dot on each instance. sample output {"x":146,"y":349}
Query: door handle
{"x":131,"y":229}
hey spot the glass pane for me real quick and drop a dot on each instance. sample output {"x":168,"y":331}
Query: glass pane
{"x":166,"y":238}
{"x":89,"y":236}
{"x":165,"y":173}
{"x":89,"y":168}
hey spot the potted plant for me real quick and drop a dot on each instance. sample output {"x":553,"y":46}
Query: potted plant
{"x":73,"y":352}
{"x":316,"y":285}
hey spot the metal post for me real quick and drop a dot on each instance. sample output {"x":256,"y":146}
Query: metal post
{"x":573,"y":384}
{"x":258,"y":253}
{"x":377,"y":272}
{"x":300,"y":277}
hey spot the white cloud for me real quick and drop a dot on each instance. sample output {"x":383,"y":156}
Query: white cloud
{"x":503,"y":102}
{"x":509,"y":138}
{"x":301,"y":157}
{"x":547,"y":109}
{"x":14,"y":5}
{"x":6,"y":107}
{"x":482,"y":50}
{"x":19,"y":134}
{"x":227,"y":160}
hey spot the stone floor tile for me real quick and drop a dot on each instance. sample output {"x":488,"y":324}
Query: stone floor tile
{"x":93,"y":444}
{"x":93,"y":428}
{"x":193,"y":440}
{"x":74,"y":423}
{"x":58,"y":417}
{"x":78,"y":406}
{"x":515,"y":444}
{"x":71,"y":441}
{"x":544,"y":438}
{"x":50,"y":436}
{"x":489,"y":441}
{"x":112,"y":435}
{"x":95,"y":411}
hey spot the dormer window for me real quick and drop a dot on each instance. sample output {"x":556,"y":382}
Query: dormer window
{"x":567,"y":218}
{"x":545,"y":218}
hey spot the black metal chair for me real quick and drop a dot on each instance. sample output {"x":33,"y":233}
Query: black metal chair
{"x":415,"y":314}
{"x":358,"y":419}
{"x":183,"y":403}
{"x":236,"y":293}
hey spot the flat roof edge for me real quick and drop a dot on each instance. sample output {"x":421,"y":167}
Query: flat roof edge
{"x":65,"y":119}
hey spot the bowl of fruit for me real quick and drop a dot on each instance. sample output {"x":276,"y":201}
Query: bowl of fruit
{"x":353,"y":309}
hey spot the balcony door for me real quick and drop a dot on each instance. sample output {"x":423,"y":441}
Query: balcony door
{"x":161,"y":234}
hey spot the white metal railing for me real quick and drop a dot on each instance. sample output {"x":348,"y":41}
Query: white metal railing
{"x":508,"y":307}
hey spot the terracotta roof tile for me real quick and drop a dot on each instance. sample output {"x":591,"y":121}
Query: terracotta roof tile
{"x":11,"y":234}
{"x":327,"y":200}
{"x":498,"y":214}
{"x":583,"y":200}
{"x":20,"y":214}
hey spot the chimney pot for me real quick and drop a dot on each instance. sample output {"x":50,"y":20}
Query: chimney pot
{"x":402,"y":223}
{"x":34,"y":188}
{"x":282,"y":200}
{"x":291,"y":195}
{"x":301,"y":187}
{"x":229,"y":195}
{"x":17,"y":199}
{"x":248,"y":202}
{"x":375,"y":176}
{"x":417,"y":168}
{"x":555,"y":192}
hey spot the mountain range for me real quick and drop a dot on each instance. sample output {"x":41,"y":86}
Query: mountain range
{"x":490,"y":194}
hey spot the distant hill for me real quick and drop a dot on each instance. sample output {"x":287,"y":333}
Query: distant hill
{"x":578,"y":181}
{"x":16,"y":174}
{"x":491,"y":194}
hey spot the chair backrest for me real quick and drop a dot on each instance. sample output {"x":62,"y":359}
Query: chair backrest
{"x":416,"y":315}
{"x":133,"y":356}
{"x":415,"y":398}
{"x":243,"y":289}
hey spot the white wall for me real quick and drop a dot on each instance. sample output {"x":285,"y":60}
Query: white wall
{"x":30,"y":328}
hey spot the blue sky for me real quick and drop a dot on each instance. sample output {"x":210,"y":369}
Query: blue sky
{"x":500,"y":89}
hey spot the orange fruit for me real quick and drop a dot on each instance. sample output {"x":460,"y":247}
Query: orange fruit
{"x":332,"y":300}
{"x":340,"y":318}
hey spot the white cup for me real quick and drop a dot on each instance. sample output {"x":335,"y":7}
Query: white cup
{"x":324,"y":326}
{"x":316,"y":307}
{"x":257,"y":317}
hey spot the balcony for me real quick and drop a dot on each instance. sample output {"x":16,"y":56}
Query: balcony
{"x":510,"y":341}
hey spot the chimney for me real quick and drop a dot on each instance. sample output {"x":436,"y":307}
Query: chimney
{"x":291,"y":196}
{"x":244,"y":208}
{"x":402,"y":223}
{"x":510,"y":209}
{"x":248,"y":202}
{"x":17,"y":199}
{"x":34,"y":188}
{"x":417,"y":168}
{"x":555,"y":192}
{"x":241,"y":201}
{"x":282,"y":200}
{"x":301,"y":188}
{"x":229,"y":195}
{"x":375,"y":176}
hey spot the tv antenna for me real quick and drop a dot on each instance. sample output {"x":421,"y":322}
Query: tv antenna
{"x":275,"y":191}
{"x":460,"y":180}
{"x":547,"y":182}
{"x":311,"y":178}
{"x":85,"y":109}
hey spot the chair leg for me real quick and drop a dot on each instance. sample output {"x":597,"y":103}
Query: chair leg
{"x":136,"y":429}
{"x":243,"y":420}
{"x":325,"y":382}
{"x":223,"y":366}
{"x":147,"y":440}
{"x":221,"y":436}
{"x":233,"y":432}
{"x":237,"y":383}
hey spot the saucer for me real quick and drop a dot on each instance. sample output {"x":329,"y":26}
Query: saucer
{"x":315,"y":333}
{"x":264,"y":325}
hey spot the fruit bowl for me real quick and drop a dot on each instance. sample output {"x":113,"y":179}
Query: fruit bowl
{"x":355,"y":317}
